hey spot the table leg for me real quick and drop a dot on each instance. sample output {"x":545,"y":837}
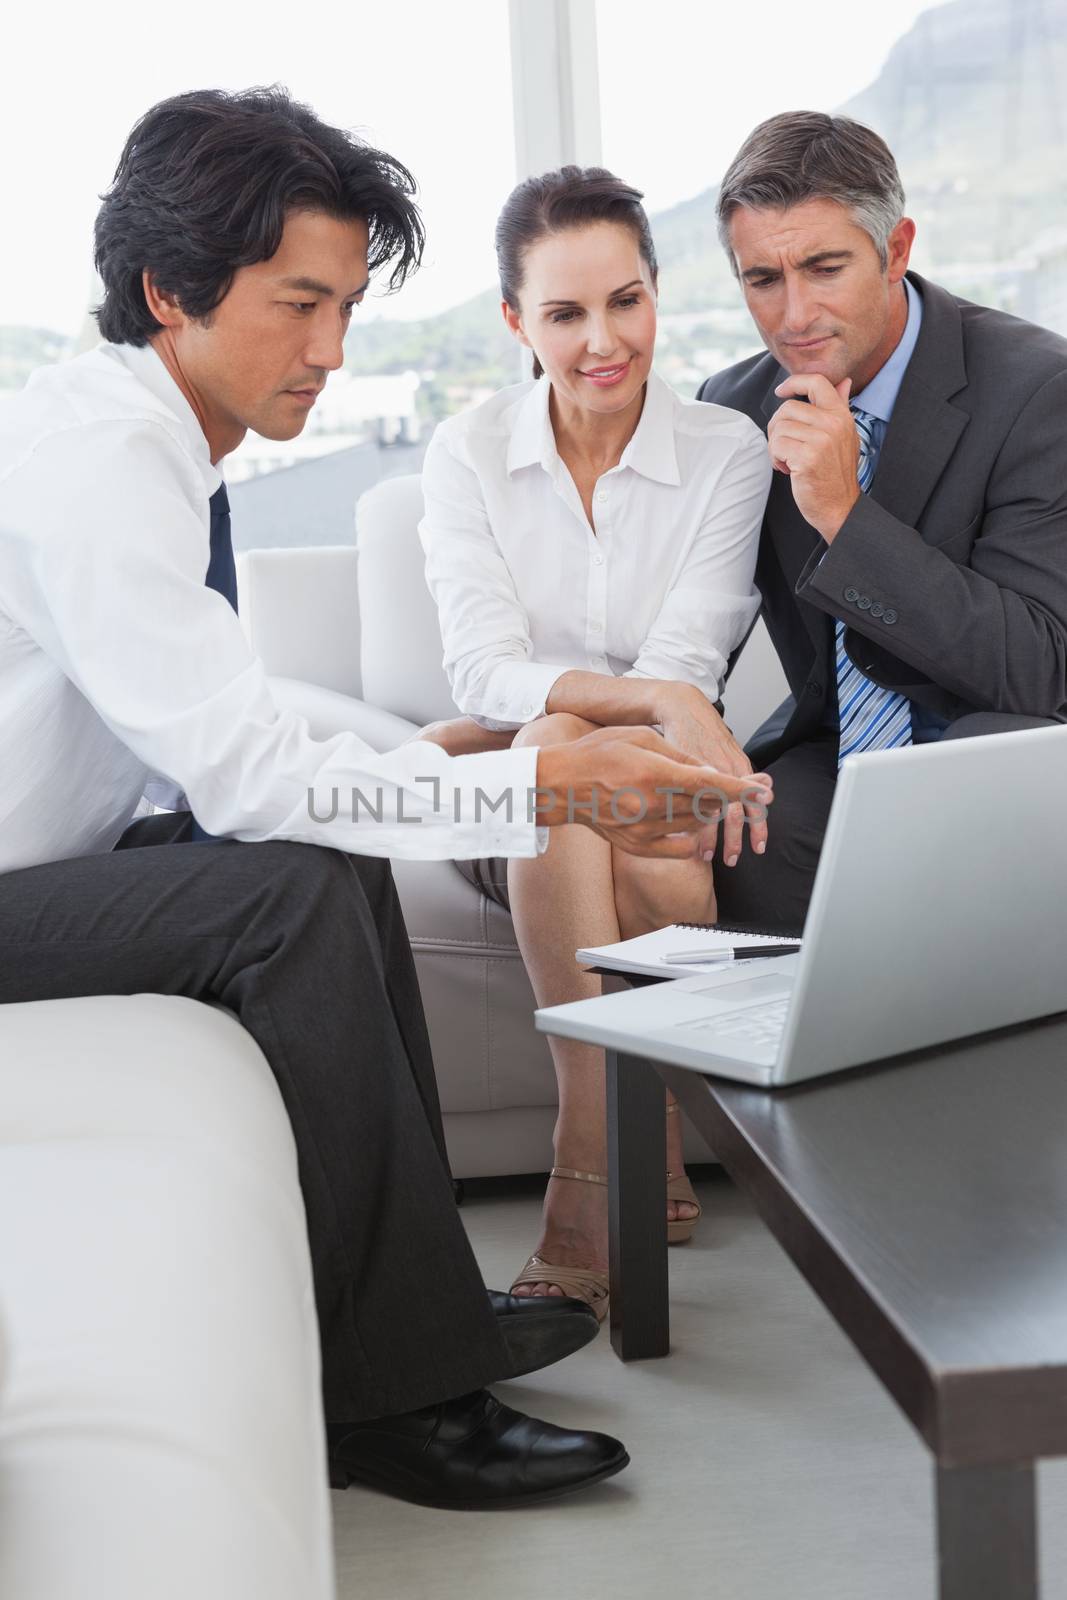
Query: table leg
{"x":637,"y":1199}
{"x":987,"y":1533}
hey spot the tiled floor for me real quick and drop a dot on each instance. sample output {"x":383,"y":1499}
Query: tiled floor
{"x":767,"y":1461}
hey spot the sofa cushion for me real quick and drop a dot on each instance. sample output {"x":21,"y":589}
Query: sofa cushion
{"x":300,"y":613}
{"x":401,"y":653}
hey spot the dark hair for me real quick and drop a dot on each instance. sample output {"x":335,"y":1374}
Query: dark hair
{"x":569,"y":198}
{"x":808,"y":155}
{"x":205,"y":184}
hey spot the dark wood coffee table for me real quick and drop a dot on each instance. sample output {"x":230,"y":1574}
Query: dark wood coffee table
{"x":925,"y":1201}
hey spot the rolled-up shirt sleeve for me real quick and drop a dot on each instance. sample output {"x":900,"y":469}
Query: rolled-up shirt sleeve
{"x":712,"y":601}
{"x":115,"y":596}
{"x":484,"y":628}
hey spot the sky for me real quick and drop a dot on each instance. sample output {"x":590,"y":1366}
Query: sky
{"x":681,"y":83}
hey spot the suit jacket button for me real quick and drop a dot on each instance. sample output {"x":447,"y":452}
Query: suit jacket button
{"x":863,"y":603}
{"x":889,"y":617}
{"x":815,"y":688}
{"x":877,"y":609}
{"x":851,"y":595}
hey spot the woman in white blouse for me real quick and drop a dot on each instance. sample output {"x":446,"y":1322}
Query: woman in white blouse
{"x":590,"y":541}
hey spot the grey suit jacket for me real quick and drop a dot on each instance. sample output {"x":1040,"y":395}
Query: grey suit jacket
{"x":951,"y":572}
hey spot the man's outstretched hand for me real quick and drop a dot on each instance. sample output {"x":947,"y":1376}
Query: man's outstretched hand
{"x":638,"y":792}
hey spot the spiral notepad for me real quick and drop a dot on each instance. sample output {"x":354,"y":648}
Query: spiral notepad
{"x":645,"y":953}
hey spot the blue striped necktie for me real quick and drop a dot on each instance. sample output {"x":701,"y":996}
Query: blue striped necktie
{"x":872,"y":718}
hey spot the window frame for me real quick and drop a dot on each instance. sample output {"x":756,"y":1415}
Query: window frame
{"x":553,"y":52}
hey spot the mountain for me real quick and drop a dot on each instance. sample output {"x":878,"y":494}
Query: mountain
{"x":970,"y":102}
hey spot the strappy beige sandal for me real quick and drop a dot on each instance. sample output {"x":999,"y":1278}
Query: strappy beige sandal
{"x":680,"y":1190}
{"x":579,"y":1283}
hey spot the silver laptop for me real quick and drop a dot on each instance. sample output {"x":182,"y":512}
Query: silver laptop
{"x":939,"y":910}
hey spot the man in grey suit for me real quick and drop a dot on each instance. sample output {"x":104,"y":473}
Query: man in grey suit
{"x":913,"y":559}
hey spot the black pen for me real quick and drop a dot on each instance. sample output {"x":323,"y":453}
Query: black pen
{"x":745,"y":953}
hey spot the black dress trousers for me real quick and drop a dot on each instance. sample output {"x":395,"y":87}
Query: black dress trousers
{"x":307,"y":946}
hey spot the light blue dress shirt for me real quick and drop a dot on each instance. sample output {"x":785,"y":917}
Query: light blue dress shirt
{"x":880,"y":395}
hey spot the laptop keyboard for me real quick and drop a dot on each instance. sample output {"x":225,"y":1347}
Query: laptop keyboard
{"x":755,"y":1025}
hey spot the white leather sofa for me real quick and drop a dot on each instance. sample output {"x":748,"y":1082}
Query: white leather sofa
{"x":351,"y":637}
{"x":160,"y":1417}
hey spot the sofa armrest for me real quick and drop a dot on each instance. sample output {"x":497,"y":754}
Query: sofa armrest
{"x":162,"y":1408}
{"x":328,"y":712}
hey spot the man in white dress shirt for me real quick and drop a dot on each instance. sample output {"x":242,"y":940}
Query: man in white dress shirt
{"x":238,"y":237}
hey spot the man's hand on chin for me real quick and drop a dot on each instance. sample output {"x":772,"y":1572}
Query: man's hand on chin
{"x":639,"y":793}
{"x":813,"y":438}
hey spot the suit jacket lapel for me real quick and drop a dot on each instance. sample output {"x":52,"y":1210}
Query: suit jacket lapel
{"x":794,"y":539}
{"x":771,"y":401}
{"x":925,"y":428}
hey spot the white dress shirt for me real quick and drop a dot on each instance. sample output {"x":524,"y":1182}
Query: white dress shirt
{"x":117,"y":663}
{"x":527,"y":590}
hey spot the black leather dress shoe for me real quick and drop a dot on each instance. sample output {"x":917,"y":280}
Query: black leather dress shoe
{"x":470,"y":1454}
{"x":540,"y":1329}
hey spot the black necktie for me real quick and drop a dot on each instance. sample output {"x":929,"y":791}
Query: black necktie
{"x":221,"y":570}
{"x":221,"y":576}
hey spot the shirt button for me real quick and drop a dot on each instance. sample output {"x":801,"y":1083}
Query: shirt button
{"x":877,"y":609}
{"x":851,"y":595}
{"x":889,"y":617}
{"x":602,"y":495}
{"x":598,"y":561}
{"x":863,"y":603}
{"x":597,"y":627}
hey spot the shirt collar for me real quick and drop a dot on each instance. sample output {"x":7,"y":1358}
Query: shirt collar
{"x":880,"y":395}
{"x":651,"y":452}
{"x":148,"y":368}
{"x":531,"y":439}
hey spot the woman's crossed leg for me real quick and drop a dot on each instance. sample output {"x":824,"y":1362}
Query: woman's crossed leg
{"x":584,"y":891}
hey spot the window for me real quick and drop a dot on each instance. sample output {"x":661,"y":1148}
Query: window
{"x":967,"y":94}
{"x":395,"y":76}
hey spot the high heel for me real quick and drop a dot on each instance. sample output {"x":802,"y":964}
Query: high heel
{"x":579,"y":1283}
{"x":680,"y":1190}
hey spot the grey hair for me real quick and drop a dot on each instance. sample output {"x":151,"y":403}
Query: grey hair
{"x":807,"y":155}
